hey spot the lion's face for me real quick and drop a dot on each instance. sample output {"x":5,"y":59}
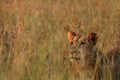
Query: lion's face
{"x":83,"y":48}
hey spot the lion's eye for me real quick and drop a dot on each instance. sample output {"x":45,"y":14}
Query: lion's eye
{"x":71,"y":43}
{"x":82,"y":43}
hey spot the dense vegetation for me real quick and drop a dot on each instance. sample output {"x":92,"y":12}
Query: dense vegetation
{"x":33,"y":34}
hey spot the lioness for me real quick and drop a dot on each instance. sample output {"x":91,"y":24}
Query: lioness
{"x":87,"y":63}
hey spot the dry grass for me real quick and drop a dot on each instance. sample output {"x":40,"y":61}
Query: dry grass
{"x":33,"y":34}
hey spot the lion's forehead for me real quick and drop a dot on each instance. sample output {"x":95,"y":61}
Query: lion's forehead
{"x":78,"y":40}
{"x":82,"y":38}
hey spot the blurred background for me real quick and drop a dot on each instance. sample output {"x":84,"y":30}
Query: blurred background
{"x":33,"y":34}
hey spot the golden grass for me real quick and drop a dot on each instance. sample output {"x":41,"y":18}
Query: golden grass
{"x":33,"y":34}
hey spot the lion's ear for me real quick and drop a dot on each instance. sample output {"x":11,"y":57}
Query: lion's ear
{"x":92,"y":37}
{"x":71,"y":36}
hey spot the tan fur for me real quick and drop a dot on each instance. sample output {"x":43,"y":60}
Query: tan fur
{"x":84,"y":55}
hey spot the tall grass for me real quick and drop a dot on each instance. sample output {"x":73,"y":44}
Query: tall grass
{"x":33,"y":40}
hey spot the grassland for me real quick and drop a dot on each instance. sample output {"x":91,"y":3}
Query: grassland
{"x":33,"y":34}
